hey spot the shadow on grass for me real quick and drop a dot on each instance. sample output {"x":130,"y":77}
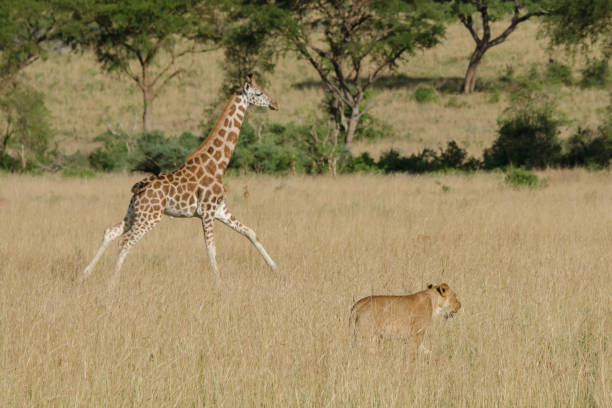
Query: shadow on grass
{"x":448,"y":85}
{"x":399,"y":81}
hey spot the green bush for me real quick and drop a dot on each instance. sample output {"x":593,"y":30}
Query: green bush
{"x":522,"y":178}
{"x":596,"y":74}
{"x":528,"y":129}
{"x":588,"y":148}
{"x":425,"y":94}
{"x":558,"y":73}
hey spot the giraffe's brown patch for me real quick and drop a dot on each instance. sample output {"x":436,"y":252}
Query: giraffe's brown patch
{"x":218,"y":142}
{"x":210,"y":150}
{"x":185,"y":197}
{"x":226,"y":123}
{"x":237,"y":123}
{"x":241,"y":108}
{"x":191,"y":186}
{"x":207,"y":196}
{"x":183,"y":180}
{"x":238,"y":99}
{"x":149,"y":193}
{"x":217,"y":155}
{"x":240,"y":117}
{"x":223,"y":163}
{"x":179,"y":189}
{"x":143,"y":200}
{"x":197,"y":161}
{"x":172,"y":190}
{"x":170,"y":177}
{"x":157,"y":184}
{"x":232,"y":218}
{"x":227,"y":151}
{"x":216,"y":189}
{"x":164,"y":191}
{"x":211,"y":167}
{"x":208,"y":181}
{"x":199,"y":173}
{"x":232,"y":110}
{"x":232,"y":137}
{"x":221,"y":132}
{"x":156,"y":207}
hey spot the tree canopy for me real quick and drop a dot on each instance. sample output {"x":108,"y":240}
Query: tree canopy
{"x":144,"y":39}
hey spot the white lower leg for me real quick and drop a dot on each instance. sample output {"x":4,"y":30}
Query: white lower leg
{"x":109,"y":235}
{"x":115,"y":279}
{"x":263,"y":252}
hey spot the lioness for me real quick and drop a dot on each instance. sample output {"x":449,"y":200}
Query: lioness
{"x":403,"y":316}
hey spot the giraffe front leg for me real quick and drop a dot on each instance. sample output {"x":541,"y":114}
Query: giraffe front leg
{"x":223,"y":215}
{"x":208,"y":221}
{"x":109,"y":235}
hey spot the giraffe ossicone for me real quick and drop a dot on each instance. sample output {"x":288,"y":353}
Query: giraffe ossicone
{"x":193,"y":190}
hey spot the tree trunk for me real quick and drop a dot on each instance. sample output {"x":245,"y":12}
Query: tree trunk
{"x":469,"y":81}
{"x":22,"y":155}
{"x":352,"y":125}
{"x":146,"y":110}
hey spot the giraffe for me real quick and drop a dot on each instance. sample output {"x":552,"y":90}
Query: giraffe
{"x":193,"y":190}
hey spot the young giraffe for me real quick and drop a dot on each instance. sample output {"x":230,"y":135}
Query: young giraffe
{"x":193,"y":190}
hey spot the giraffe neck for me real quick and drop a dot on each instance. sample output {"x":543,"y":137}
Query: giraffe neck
{"x":221,"y":142}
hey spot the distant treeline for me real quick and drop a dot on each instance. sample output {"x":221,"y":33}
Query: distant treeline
{"x":528,"y":139}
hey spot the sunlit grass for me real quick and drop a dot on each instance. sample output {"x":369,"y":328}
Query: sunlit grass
{"x":530,"y":267}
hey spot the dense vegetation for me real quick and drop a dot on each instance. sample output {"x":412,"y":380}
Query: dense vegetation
{"x":350,"y":47}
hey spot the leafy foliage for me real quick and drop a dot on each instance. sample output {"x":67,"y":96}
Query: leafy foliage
{"x":523,"y":178}
{"x":142,"y":39}
{"x":26,"y":126}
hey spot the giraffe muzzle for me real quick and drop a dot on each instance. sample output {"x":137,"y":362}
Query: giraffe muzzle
{"x":273,"y":106}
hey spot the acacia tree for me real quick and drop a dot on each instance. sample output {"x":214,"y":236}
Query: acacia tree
{"x":26,"y":26}
{"x":350,"y":44}
{"x":145,"y":40}
{"x":582,"y":23}
{"x":477,"y":16}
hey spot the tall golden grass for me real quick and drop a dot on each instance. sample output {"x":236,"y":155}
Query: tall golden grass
{"x":84,"y":101}
{"x":531,"y":268}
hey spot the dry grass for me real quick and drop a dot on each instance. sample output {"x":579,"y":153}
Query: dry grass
{"x":84,"y":101}
{"x":531,"y":268}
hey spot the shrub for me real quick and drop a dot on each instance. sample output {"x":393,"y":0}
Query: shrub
{"x":167,"y":153}
{"x":425,"y":94}
{"x":8,"y":163}
{"x":558,"y":73}
{"x":596,"y":74}
{"x":364,"y":163}
{"x":113,"y":155}
{"x":528,"y":130}
{"x":520,"y":177}
{"x":588,"y":148}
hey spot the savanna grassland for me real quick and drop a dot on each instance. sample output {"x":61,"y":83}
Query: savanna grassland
{"x":84,"y":101}
{"x":530,"y":266}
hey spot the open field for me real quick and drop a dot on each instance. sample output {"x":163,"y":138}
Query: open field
{"x":531,"y":268}
{"x":84,"y":101}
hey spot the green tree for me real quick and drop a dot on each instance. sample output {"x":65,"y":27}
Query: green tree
{"x":25,"y":125}
{"x":477,"y":17}
{"x":145,"y":39}
{"x":350,"y":44}
{"x":582,"y":23}
{"x":26,"y":27}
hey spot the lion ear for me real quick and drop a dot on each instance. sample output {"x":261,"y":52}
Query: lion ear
{"x":443,"y":289}
{"x":429,"y":286}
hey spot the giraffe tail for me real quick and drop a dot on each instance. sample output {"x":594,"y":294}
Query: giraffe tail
{"x":140,"y":186}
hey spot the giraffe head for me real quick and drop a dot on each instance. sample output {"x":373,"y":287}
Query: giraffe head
{"x":256,"y":96}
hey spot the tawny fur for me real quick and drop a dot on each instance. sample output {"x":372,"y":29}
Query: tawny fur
{"x":406,"y":316}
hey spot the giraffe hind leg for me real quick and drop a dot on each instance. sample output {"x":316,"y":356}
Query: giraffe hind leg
{"x":130,"y":238}
{"x":223,"y":215}
{"x":110,"y":235}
